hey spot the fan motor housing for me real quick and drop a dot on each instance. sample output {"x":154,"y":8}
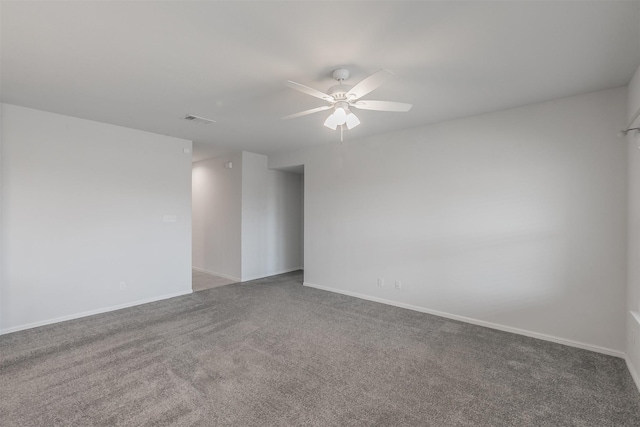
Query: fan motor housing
{"x":339,"y":92}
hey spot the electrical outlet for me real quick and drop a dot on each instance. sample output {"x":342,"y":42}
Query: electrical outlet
{"x":398,"y":284}
{"x":169,"y":218}
{"x":123,"y":286}
{"x":380,"y":282}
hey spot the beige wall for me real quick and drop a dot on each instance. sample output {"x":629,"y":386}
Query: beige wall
{"x":84,"y":207}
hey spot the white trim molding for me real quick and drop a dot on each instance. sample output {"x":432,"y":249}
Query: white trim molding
{"x":247,"y":278}
{"x":92,"y":312}
{"x":215,"y":273}
{"x":486,"y":324}
{"x":275,"y":273}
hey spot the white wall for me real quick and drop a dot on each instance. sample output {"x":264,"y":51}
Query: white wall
{"x":633,"y":296}
{"x":217,"y":204}
{"x":271,"y":219}
{"x":83,"y":210}
{"x":515,"y":219}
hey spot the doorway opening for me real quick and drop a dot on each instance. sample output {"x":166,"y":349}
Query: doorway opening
{"x":247,"y":220}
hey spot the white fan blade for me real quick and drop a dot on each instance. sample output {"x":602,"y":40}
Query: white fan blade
{"x":369,"y":84}
{"x":309,"y":91}
{"x":304,"y":113}
{"x":382,"y":106}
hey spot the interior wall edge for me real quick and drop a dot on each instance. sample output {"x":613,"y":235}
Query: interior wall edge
{"x":632,"y":371}
{"x":491,"y":325}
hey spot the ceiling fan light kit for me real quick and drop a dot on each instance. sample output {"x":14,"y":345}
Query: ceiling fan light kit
{"x":341,"y":97}
{"x":340,"y":116}
{"x":331,"y":122}
{"x":352,"y":121}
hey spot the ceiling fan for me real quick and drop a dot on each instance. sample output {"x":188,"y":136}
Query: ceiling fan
{"x":342,"y":97}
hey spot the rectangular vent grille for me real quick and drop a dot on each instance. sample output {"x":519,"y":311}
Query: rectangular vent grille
{"x":198,"y":119}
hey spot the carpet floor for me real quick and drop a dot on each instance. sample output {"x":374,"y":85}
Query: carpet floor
{"x":274,"y":353}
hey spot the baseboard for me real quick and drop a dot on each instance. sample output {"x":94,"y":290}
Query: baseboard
{"x":92,"y":312}
{"x":486,"y":324}
{"x":274,"y":273}
{"x":215,"y":273}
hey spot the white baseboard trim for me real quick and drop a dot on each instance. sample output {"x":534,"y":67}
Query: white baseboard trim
{"x":486,"y":324}
{"x":92,"y":312}
{"x":634,"y":373}
{"x":215,"y":273}
{"x":274,"y":273}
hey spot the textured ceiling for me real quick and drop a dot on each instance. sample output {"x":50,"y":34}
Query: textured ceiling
{"x":145,"y":65}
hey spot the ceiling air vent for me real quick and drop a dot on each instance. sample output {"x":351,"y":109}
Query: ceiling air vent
{"x":198,"y":119}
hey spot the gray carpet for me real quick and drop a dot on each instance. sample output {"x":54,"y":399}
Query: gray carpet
{"x":273,"y":353}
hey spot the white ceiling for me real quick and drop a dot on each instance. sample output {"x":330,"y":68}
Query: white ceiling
{"x":145,"y":65}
